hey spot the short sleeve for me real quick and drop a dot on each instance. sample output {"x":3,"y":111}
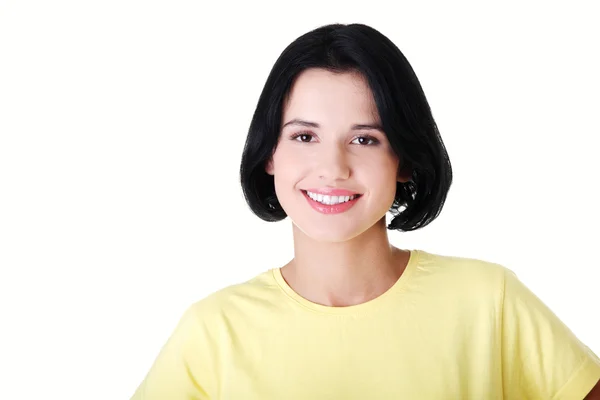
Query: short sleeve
{"x":541,"y":357}
{"x":175,"y":372}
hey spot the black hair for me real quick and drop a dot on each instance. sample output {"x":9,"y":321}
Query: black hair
{"x":402,"y":106}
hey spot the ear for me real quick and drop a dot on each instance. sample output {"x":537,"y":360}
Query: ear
{"x":269,"y":166}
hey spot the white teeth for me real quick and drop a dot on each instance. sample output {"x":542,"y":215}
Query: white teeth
{"x":329,"y":200}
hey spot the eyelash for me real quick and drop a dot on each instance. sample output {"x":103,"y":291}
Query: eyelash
{"x":371,"y":138}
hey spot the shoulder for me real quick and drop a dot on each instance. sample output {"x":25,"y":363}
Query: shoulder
{"x":473,"y":274}
{"x":235,"y":298}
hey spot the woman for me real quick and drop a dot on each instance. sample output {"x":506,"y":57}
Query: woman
{"x":341,"y":135}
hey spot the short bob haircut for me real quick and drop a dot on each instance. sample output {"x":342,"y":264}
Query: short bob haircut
{"x":403,"y":110}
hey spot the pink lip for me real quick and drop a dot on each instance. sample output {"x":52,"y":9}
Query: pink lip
{"x":332,"y":192}
{"x":331,"y":209}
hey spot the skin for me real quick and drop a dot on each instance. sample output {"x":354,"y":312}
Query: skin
{"x":342,"y":259}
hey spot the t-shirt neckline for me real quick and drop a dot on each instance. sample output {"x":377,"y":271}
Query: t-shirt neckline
{"x":366,"y":307}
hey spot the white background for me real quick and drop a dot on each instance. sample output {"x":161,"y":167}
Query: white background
{"x":122,"y":125}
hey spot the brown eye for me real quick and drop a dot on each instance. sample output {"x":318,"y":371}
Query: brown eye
{"x":303,"y":137}
{"x":365,"y":140}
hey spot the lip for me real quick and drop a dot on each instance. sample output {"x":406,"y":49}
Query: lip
{"x":333,"y":192}
{"x":334,"y":208}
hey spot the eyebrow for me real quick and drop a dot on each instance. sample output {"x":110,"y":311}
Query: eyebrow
{"x":309,"y":124}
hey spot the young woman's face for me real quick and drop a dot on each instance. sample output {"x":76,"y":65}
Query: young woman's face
{"x":330,"y":149}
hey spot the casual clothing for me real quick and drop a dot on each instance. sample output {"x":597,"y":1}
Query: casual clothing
{"x":449,"y":328}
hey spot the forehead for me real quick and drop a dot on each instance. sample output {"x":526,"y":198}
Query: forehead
{"x":328,"y":96}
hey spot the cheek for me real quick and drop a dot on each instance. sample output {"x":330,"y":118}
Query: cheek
{"x":289,"y":161}
{"x":383,"y":166}
{"x":392,"y":164}
{"x":287,"y":165}
{"x":385,"y":175}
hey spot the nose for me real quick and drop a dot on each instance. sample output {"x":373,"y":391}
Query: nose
{"x":332,"y":163}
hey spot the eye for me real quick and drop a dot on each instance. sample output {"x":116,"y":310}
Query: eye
{"x":365,"y":140}
{"x":302,"y":137}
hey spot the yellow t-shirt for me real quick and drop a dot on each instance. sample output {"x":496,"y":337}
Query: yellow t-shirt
{"x":449,"y":328}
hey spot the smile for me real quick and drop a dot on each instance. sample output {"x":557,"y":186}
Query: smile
{"x":327,"y":204}
{"x":329,"y":200}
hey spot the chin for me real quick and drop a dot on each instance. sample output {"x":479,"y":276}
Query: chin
{"x":331,"y":233}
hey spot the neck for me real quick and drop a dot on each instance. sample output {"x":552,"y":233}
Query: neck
{"x":344,"y":273}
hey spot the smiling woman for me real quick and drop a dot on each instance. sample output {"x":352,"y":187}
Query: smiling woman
{"x":342,"y":148}
{"x":342,"y":135}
